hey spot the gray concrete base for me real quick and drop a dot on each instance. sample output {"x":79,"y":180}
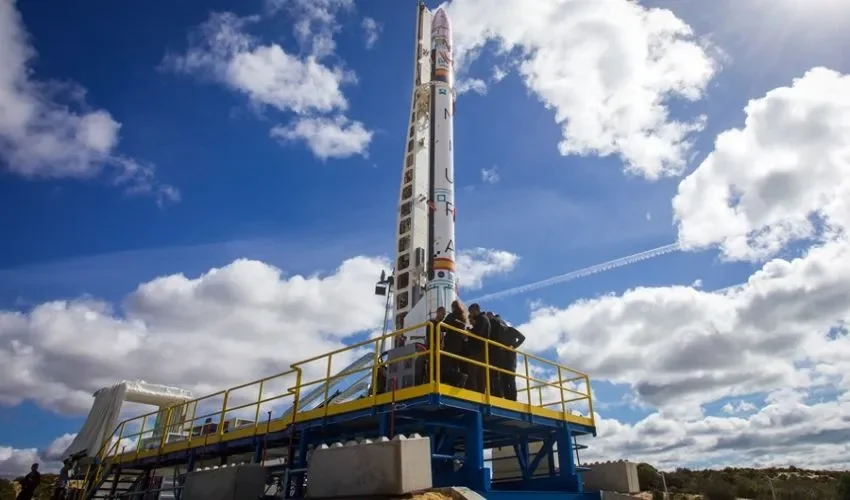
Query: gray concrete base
{"x":241,"y":482}
{"x":379,"y":468}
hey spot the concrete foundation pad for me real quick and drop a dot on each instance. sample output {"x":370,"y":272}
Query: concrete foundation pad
{"x":371,"y":468}
{"x":241,"y":482}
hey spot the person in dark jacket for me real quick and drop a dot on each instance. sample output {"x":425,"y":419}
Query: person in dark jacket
{"x":29,"y":483}
{"x":475,"y":347}
{"x":511,"y":337}
{"x":60,"y":490}
{"x":495,"y":354}
{"x":453,"y":371}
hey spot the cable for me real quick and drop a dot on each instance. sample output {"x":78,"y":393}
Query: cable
{"x":581,"y":273}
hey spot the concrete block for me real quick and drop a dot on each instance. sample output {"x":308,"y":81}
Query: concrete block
{"x":396,"y":467}
{"x":620,"y":476}
{"x":243,"y":482}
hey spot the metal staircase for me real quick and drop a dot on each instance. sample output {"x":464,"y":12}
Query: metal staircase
{"x":118,"y":483}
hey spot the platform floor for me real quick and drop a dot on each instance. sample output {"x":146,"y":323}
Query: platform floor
{"x":415,"y":410}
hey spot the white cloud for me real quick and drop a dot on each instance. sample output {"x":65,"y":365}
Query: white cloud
{"x":490,"y":175}
{"x":16,"y":462}
{"x":267,"y":74}
{"x":314,"y":22}
{"x":499,"y":74}
{"x":372,"y":31}
{"x":221,"y":49}
{"x":782,"y":333}
{"x":740,"y":407}
{"x":784,"y":432}
{"x":42,"y":137}
{"x":476,"y":85}
{"x":248,"y":313}
{"x":607,"y":69}
{"x":478,"y":263}
{"x":784,"y":176}
{"x":327,"y":137}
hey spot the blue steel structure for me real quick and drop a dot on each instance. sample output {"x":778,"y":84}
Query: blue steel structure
{"x":460,"y":423}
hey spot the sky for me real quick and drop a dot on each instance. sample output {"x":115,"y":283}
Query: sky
{"x":200,"y":194}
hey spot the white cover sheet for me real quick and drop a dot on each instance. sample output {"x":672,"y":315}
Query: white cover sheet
{"x":103,"y":416}
{"x":101,"y":422}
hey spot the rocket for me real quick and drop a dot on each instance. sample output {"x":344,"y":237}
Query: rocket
{"x":441,"y":287}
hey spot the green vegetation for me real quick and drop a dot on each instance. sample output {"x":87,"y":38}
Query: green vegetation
{"x":683,"y":484}
{"x":9,"y":489}
{"x":730,"y":483}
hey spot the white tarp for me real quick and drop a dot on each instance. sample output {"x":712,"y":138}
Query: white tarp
{"x":103,"y":416}
{"x":146,"y":393}
{"x":101,"y":422}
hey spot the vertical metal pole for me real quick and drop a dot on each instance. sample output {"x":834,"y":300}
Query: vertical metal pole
{"x":392,"y":412}
{"x":266,"y":437}
{"x":386,"y":328}
{"x":578,"y":458}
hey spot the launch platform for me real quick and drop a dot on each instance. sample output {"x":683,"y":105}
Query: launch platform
{"x":277,"y":421}
{"x":363,"y":392}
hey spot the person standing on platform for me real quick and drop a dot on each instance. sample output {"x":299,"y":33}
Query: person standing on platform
{"x":511,"y":337}
{"x":453,"y":371}
{"x":496,"y":355}
{"x":476,"y":348}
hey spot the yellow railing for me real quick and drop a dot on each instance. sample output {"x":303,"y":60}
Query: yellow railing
{"x":186,"y":428}
{"x":560,"y":384}
{"x":374,"y":368}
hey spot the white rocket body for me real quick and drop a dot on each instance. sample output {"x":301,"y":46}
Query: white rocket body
{"x":441,"y":288}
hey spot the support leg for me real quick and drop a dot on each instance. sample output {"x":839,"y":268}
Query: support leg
{"x":566,"y":460}
{"x":301,"y":463}
{"x":476,"y":476}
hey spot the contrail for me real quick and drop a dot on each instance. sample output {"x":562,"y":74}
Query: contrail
{"x":581,"y":273}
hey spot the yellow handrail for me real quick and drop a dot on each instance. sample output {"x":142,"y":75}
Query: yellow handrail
{"x":562,"y":384}
{"x":559,"y":384}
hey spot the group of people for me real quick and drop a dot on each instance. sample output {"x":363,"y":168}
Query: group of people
{"x":462,"y":373}
{"x":30,"y":482}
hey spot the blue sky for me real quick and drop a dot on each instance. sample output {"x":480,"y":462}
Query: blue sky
{"x":246,"y":194}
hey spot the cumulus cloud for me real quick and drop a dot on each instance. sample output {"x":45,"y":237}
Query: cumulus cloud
{"x":223,"y":50}
{"x":786,"y":431}
{"x":48,"y":131}
{"x":326,"y":137}
{"x":267,"y":74}
{"x":476,"y":85}
{"x":16,"y":462}
{"x":606,"y":68}
{"x":372,"y":31}
{"x":249,"y":313}
{"x":490,"y":175}
{"x":314,"y":22}
{"x":475,"y":264}
{"x":782,"y":178}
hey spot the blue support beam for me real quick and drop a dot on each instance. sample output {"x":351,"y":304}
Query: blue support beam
{"x":460,"y":430}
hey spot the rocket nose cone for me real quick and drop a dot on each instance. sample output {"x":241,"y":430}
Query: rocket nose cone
{"x":441,"y":18}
